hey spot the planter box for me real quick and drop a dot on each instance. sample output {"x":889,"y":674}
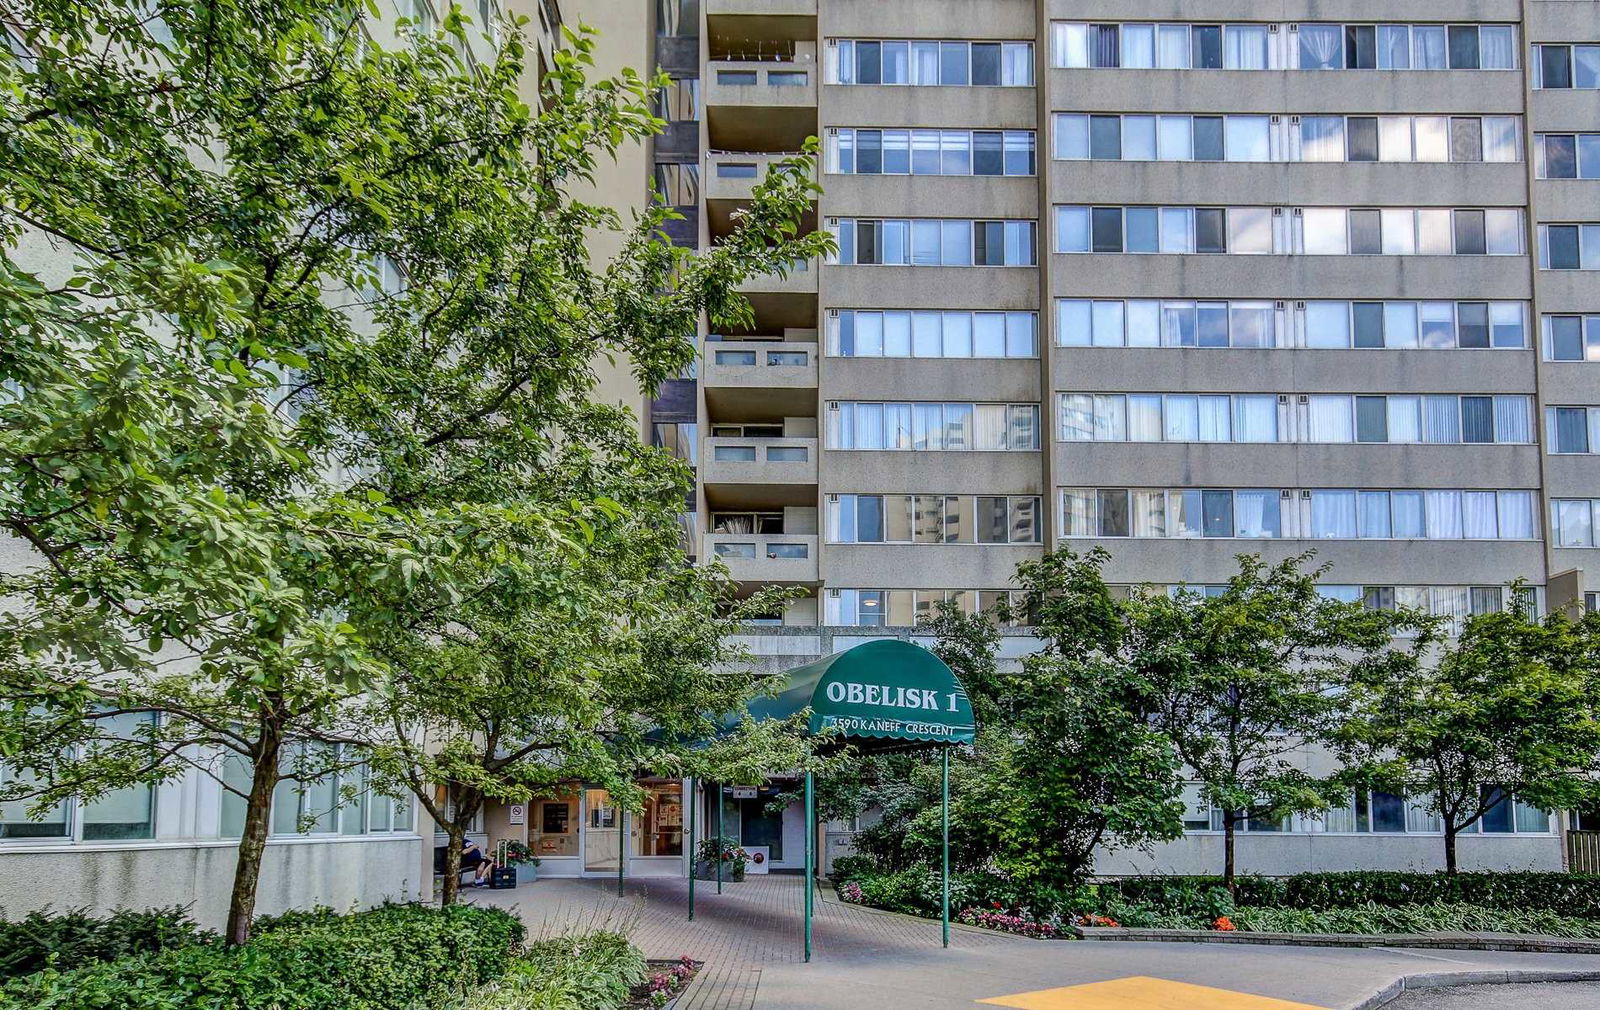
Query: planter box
{"x":707,"y":870}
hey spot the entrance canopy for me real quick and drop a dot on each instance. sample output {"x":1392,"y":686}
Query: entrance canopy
{"x":886,"y":690}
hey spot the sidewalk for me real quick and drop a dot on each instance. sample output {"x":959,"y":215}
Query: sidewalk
{"x":750,"y":939}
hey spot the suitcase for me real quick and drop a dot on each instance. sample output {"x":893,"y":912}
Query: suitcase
{"x":503,"y":878}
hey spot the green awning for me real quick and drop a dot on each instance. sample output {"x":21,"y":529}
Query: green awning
{"x":885,"y":690}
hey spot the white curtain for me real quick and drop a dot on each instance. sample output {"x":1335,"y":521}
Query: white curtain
{"x":1497,"y":47}
{"x":1250,"y":513}
{"x":1077,"y":512}
{"x":1516,"y":515}
{"x":1394,"y":47}
{"x":1407,"y":509}
{"x":1405,"y":419}
{"x":928,"y":426}
{"x":1374,"y":514}
{"x":1255,"y":418}
{"x":869,"y":426}
{"x":1149,"y":513}
{"x":925,"y":63}
{"x":1428,"y":48}
{"x":1319,"y":47}
{"x":1330,"y":419}
{"x":1333,"y":515}
{"x":1478,"y":520}
{"x":1144,"y":417}
{"x":1512,"y":419}
{"x":1182,"y":419}
{"x":1172,"y":47}
{"x":1138,"y":47}
{"x":1444,"y":515}
{"x":1441,"y":419}
{"x":990,"y":426}
{"x":897,"y":426}
{"x":1215,"y":424}
{"x":1110,"y":419}
{"x":1245,"y":47}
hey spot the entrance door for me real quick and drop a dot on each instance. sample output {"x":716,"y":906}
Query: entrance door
{"x":602,"y":832}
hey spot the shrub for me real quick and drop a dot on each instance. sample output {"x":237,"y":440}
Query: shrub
{"x":1197,"y":894}
{"x":596,"y":971}
{"x":76,"y":938}
{"x":1570,"y":894}
{"x":1416,"y":918}
{"x":391,"y":958}
{"x":851,"y":867}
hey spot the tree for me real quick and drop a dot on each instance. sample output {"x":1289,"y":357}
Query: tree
{"x":1091,"y":768}
{"x":1508,"y":710}
{"x":321,"y":337}
{"x":1251,"y":676}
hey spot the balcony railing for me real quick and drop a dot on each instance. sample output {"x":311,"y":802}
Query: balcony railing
{"x":752,"y":557}
{"x":760,"y":460}
{"x":758,"y":363}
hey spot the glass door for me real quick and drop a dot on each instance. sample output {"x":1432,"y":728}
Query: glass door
{"x":602,"y":832}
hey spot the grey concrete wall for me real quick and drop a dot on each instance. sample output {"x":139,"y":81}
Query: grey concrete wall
{"x":345,"y":874}
{"x":1281,"y":855}
{"x":1201,"y":464}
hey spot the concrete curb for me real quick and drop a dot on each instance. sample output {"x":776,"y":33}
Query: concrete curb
{"x":1452,"y":979}
{"x":1426,"y":941}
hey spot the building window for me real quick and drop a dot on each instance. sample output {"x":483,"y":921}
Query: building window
{"x":678,"y":18}
{"x":678,"y":185}
{"x":1304,"y":46}
{"x":930,"y":152}
{"x":929,"y":63}
{"x":1567,"y":155}
{"x":939,"y":427}
{"x":1571,"y":338}
{"x":1572,"y":521}
{"x":906,"y":607}
{"x":679,"y":100}
{"x":1559,"y":66}
{"x":1569,"y":246}
{"x":902,"y":333}
{"x":124,"y":814}
{"x":1572,"y":429}
{"x":933,"y":242}
{"x":932,"y":519}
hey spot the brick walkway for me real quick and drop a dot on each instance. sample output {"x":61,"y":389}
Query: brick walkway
{"x":751,"y":924}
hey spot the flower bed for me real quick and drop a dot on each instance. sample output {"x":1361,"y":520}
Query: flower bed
{"x":665,"y":984}
{"x":1007,"y":922}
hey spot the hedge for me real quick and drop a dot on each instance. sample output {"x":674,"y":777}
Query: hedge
{"x":396,"y":957}
{"x":74,"y":938}
{"x":1568,"y":894}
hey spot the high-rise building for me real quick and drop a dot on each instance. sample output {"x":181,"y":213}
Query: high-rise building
{"x":1181,"y":284}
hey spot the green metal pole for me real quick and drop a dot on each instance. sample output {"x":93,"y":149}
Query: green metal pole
{"x":694,"y":786}
{"x":811,"y":857}
{"x":622,"y":847}
{"x":719,"y":837}
{"x":944,"y":902}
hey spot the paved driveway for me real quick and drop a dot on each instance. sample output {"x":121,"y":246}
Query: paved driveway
{"x":750,"y":939}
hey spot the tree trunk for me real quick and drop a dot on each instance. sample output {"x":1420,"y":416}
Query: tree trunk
{"x":253,"y":839}
{"x":1229,"y":825}
{"x":1449,"y":849}
{"x":452,"y":862}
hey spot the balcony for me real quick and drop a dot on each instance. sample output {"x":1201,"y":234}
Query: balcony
{"x":732,"y":175}
{"x":749,"y":379}
{"x":759,"y":472}
{"x":761,"y":105}
{"x":761,"y":8}
{"x":775,"y":558}
{"x":801,"y":280}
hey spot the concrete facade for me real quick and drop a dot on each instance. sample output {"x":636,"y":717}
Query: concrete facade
{"x":750,"y":120}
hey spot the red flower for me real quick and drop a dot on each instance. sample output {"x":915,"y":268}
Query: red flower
{"x":1224,"y":924}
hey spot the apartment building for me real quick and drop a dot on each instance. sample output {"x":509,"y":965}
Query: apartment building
{"x":1180,"y":280}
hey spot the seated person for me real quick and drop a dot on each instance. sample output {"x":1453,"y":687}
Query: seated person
{"x":480,"y":862}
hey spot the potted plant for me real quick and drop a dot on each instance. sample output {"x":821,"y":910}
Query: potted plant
{"x":734,"y":859}
{"x":519,"y":855}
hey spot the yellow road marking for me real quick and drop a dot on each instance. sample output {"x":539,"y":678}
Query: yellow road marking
{"x":1141,"y":993}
